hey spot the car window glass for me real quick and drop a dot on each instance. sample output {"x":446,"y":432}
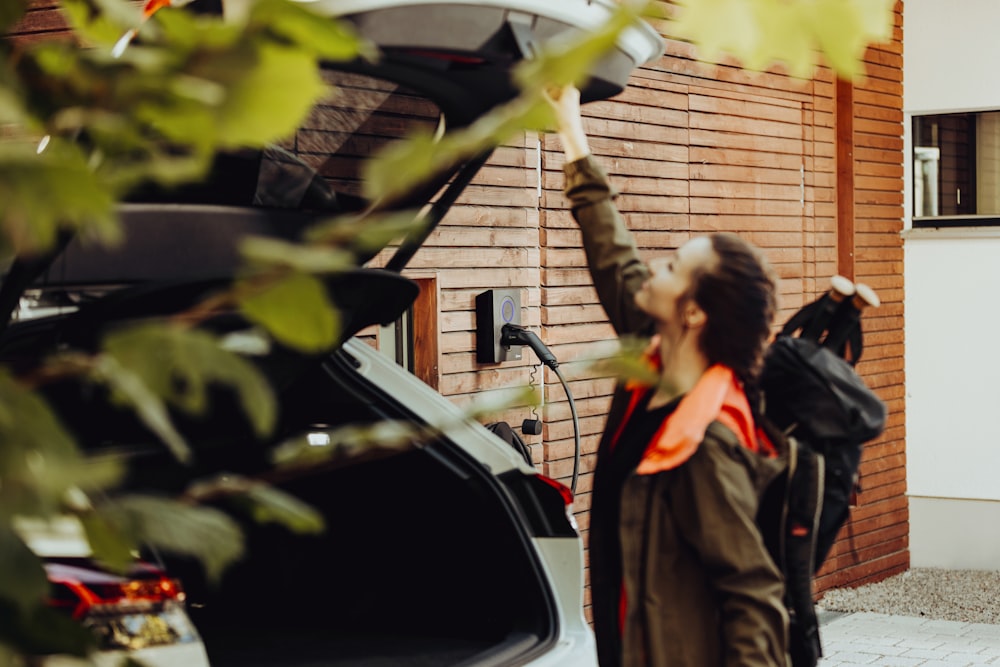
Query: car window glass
{"x":360,"y":116}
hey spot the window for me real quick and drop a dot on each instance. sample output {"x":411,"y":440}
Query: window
{"x":956,"y":169}
{"x":395,"y":340}
{"x":412,"y":340}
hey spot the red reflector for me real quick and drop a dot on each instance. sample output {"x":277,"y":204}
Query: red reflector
{"x":799,"y":531}
{"x":563,"y":490}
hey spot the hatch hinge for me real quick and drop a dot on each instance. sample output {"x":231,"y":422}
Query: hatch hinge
{"x":521,"y":27}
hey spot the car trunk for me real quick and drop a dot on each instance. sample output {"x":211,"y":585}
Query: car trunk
{"x":426,"y":558}
{"x":417,"y":567}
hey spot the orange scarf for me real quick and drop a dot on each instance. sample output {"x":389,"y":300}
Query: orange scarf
{"x":717,"y":396}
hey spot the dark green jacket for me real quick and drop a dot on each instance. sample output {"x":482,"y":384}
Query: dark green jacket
{"x":700,"y":587}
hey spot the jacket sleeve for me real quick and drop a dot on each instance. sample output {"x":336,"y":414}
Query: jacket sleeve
{"x":612,"y":257}
{"x":717,"y":490}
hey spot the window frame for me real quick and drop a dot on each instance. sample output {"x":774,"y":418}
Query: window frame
{"x":948,"y":220}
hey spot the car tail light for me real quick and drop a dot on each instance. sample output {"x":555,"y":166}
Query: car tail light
{"x":545,"y":503}
{"x":564,"y":491}
{"x":80,"y":598}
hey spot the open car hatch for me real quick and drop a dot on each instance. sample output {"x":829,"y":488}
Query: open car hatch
{"x":443,"y":64}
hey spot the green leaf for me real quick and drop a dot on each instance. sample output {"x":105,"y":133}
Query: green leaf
{"x":22,"y":579}
{"x":783,"y":40}
{"x":295,"y":309}
{"x":130,"y":388}
{"x":42,"y":631}
{"x":200,"y":532}
{"x":8,"y":657}
{"x":266,"y":504}
{"x":716,"y":27}
{"x":570,"y":60}
{"x":402,"y":166}
{"x":843,"y":31}
{"x":12,"y":110}
{"x":761,"y":33}
{"x":39,"y":461}
{"x":196,"y":36}
{"x":297,"y":256}
{"x":269,"y":103}
{"x":488,"y":403}
{"x":109,"y":546}
{"x":43,"y":193}
{"x":176,"y":364}
{"x":370,"y":232}
{"x":347,"y":442}
{"x":324,"y":36}
{"x":272,"y":505}
{"x":101,"y":21}
{"x":629,"y":362}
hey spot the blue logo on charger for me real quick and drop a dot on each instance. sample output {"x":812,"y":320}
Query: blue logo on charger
{"x":507,"y":310}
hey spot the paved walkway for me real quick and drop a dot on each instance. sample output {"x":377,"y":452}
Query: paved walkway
{"x":904,"y":641}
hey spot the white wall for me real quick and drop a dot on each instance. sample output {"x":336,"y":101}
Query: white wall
{"x":951,"y":49}
{"x":952,"y":278}
{"x":953,"y":364}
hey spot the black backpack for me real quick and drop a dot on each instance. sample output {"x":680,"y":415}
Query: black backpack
{"x":819,"y":413}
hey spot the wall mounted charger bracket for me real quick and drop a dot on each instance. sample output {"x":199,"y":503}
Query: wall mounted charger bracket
{"x":495,"y":308}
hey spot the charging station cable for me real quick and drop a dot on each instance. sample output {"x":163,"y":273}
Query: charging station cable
{"x":513,"y":334}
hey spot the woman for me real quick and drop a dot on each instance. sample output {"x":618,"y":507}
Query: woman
{"x":679,"y":573}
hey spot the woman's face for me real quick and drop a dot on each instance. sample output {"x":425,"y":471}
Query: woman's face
{"x":671,"y":278}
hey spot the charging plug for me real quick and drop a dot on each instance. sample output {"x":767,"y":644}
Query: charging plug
{"x":514,"y":334}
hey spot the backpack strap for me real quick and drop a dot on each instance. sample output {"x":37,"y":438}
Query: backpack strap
{"x":804,"y":508}
{"x":788,"y":519}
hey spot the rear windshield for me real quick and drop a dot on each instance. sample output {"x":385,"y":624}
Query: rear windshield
{"x":317,"y":170}
{"x":320,"y":167}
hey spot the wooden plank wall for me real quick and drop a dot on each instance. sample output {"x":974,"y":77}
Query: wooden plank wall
{"x":693,"y":149}
{"x":43,"y":20}
{"x":875,"y":543}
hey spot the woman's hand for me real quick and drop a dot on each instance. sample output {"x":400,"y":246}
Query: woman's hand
{"x":565,"y":102}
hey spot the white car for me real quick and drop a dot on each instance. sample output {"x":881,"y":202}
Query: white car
{"x":451,"y":551}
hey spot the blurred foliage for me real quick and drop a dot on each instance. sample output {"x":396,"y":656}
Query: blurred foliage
{"x":142,"y":97}
{"x":189,"y":86}
{"x":798,"y":34}
{"x":84,"y":122}
{"x":295,"y":309}
{"x":177,"y":365}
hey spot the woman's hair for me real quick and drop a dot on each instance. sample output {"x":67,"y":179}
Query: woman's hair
{"x":737,"y":294}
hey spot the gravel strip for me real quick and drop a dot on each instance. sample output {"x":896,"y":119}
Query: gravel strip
{"x":970,"y":596}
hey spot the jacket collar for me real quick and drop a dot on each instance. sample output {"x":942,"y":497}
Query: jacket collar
{"x":717,"y":396}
